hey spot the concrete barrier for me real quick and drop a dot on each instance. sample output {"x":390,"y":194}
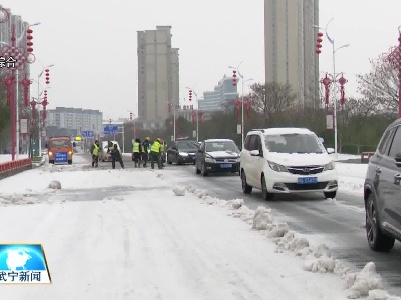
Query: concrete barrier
{"x":11,"y":168}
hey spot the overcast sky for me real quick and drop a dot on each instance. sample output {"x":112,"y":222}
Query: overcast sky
{"x":93,"y":43}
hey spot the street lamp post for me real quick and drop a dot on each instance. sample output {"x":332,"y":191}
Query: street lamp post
{"x":191,"y":90}
{"x":26,"y":82}
{"x":44,"y":69}
{"x":334,"y":50}
{"x":172,"y":106}
{"x":235,"y":71}
{"x":16,"y":57}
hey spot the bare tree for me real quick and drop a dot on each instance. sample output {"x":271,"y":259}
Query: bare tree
{"x":271,"y":100}
{"x":380,"y":85}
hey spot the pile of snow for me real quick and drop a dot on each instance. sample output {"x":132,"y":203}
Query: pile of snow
{"x":179,"y":191}
{"x":317,"y":259}
{"x":54,"y":184}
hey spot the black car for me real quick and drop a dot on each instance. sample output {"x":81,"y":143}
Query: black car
{"x":182,"y":152}
{"x":217,"y":155}
{"x":382,"y":191}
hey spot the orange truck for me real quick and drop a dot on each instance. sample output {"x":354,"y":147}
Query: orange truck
{"x":60,"y":150}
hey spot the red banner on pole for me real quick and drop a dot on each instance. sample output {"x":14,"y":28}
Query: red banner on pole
{"x":238,"y":107}
{"x":248,"y":107}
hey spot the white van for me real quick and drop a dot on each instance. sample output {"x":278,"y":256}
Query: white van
{"x":104,"y":156}
{"x":287,"y":160}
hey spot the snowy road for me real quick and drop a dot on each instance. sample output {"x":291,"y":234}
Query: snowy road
{"x":339,"y":224}
{"x":123,"y":234}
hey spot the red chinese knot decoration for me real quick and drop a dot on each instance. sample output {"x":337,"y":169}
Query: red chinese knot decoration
{"x":326,"y":81}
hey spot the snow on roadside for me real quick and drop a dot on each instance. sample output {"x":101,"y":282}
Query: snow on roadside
{"x":351,"y":177}
{"x":7,"y":157}
{"x":317,"y":259}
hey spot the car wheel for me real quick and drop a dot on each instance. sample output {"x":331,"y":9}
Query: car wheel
{"x":377,"y":239}
{"x":246,"y":189}
{"x":265,"y":194}
{"x":70,"y":162}
{"x":51,"y":161}
{"x":203,"y":169}
{"x":330,"y":195}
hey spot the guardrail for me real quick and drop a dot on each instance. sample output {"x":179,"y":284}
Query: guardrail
{"x":11,"y":168}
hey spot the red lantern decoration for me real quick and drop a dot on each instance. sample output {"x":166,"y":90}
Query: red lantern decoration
{"x":9,"y":83}
{"x":47,"y":76}
{"x":234,"y":78}
{"x":193,"y":118}
{"x":33,"y":108}
{"x":44,"y":104}
{"x":342,"y":81}
{"x":326,"y":81}
{"x":248,"y":107}
{"x":319,"y":41}
{"x":26,"y":83}
{"x":190,"y":95}
{"x":29,"y":38}
{"x":238,"y":107}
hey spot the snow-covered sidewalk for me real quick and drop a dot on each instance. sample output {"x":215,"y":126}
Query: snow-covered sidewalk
{"x":125,"y":234}
{"x":8,"y":157}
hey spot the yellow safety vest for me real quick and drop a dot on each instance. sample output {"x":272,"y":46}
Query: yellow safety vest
{"x":162,"y":147}
{"x":136,"y":147}
{"x":112,"y":150}
{"x":95,"y":150}
{"x":155,"y":147}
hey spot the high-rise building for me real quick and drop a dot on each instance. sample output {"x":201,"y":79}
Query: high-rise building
{"x":224,"y":93}
{"x":290,"y":43}
{"x":158,"y":76}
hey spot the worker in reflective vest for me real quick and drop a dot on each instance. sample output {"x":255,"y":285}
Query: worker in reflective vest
{"x":95,"y":154}
{"x":115,"y":155}
{"x":145,"y":151}
{"x":155,"y":154}
{"x":137,"y":152}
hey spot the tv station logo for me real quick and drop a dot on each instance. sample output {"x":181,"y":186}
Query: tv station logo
{"x":23,"y":263}
{"x":7,"y":62}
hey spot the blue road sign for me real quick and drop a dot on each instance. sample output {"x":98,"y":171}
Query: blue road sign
{"x":110,"y":129}
{"x":88,"y":134}
{"x":60,"y":157}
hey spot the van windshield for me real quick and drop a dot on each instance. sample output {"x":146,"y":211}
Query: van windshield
{"x":60,"y":143}
{"x":293,"y":143}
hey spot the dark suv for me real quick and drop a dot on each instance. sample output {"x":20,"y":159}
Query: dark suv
{"x":382,"y":191}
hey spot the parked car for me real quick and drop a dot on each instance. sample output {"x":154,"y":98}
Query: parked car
{"x":60,"y":150}
{"x":104,"y":156}
{"x":382,"y":191}
{"x":287,"y":160}
{"x":217,"y":155}
{"x":182,"y":152}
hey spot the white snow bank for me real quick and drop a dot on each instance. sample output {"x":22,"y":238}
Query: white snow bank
{"x":344,"y":156}
{"x":351,"y":177}
{"x":36,"y":181}
{"x":170,"y":247}
{"x":8,"y":157}
{"x":317,"y":259}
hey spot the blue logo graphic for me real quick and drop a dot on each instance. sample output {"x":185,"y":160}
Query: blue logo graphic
{"x":60,"y":157}
{"x":23,"y":263}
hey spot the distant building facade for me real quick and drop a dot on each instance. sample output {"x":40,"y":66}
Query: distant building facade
{"x":224,"y":93}
{"x":290,"y":43}
{"x":158,"y":76}
{"x":75,"y":120}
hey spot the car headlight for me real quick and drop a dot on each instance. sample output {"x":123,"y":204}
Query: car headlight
{"x":330,"y":166}
{"x":209,"y":159}
{"x":50,"y":153}
{"x":183,"y":154}
{"x":277,"y":167}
